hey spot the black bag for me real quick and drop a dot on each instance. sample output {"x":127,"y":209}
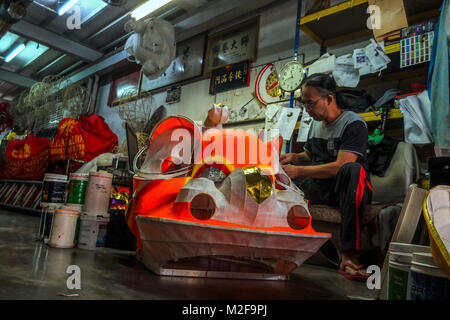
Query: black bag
{"x":379,"y":156}
{"x":355,"y":100}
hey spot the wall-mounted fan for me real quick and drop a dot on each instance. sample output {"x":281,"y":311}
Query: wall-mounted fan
{"x":115,"y":3}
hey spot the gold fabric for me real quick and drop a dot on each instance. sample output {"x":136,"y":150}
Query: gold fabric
{"x":438,"y":250}
{"x":272,"y":86}
{"x":258,"y":185}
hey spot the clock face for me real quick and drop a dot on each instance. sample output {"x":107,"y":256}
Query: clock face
{"x":291,"y":76}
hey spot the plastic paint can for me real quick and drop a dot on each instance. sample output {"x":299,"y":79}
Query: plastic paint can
{"x":428,"y":282}
{"x":400,"y":257}
{"x":98,"y":193}
{"x":77,"y":188}
{"x":64,"y":229}
{"x":92,"y":231}
{"x":53,"y":189}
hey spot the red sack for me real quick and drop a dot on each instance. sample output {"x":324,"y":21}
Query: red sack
{"x":27,"y":159}
{"x":97,"y":135}
{"x":68,"y":142}
{"x":82,"y":139}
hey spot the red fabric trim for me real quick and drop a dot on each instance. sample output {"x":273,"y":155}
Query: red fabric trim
{"x":359,"y":197}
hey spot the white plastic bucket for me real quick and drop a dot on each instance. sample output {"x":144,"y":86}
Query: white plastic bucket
{"x":53,"y":190}
{"x":98,"y":193}
{"x":64,"y":229}
{"x":400,"y":257}
{"x":427,"y":280}
{"x":92,"y":231}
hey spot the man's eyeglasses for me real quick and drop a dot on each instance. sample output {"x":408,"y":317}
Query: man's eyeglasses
{"x":308,"y":105}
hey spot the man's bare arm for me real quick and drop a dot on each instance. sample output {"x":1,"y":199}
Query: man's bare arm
{"x":303,"y":158}
{"x":321,"y":171}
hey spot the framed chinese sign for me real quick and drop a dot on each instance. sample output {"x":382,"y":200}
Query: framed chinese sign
{"x":233,"y":45}
{"x":233,"y":76}
{"x":124,"y":88}
{"x":187,"y":64}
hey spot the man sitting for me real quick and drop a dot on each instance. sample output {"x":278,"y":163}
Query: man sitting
{"x":333,"y":169}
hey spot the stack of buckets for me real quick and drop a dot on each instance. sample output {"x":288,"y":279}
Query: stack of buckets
{"x":65,"y":226}
{"x":53,"y":198}
{"x":82,"y":214}
{"x":95,"y":216}
{"x":413,"y":274}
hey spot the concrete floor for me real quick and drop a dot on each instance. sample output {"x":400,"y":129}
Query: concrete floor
{"x":29,"y":269}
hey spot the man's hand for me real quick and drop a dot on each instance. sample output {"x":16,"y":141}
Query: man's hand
{"x":292,"y":171}
{"x":288,"y":158}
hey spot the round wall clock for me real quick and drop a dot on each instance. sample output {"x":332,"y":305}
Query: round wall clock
{"x":291,"y":76}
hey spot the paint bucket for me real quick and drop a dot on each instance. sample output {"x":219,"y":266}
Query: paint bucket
{"x":92,"y":231}
{"x":64,"y":231}
{"x":400,"y":257}
{"x":77,"y":188}
{"x":428,"y":282}
{"x":53,"y":189}
{"x":45,"y":224}
{"x":98,"y":193}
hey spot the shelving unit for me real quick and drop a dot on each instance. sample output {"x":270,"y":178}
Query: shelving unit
{"x":347,"y":21}
{"x":21,"y":195}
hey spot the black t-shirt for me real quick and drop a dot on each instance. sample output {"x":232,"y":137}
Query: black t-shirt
{"x":347,"y":133}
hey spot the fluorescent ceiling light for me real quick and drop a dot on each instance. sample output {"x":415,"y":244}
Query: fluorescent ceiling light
{"x":66,"y":7}
{"x":147,"y":8}
{"x":14,"y":52}
{"x":7,"y":41}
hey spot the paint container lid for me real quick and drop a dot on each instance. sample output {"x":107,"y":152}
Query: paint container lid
{"x":89,"y":216}
{"x":93,"y":214}
{"x":73,"y":206}
{"x":55,"y":177}
{"x":67,"y":211}
{"x":79,"y":176}
{"x":407,"y":248}
{"x":101,"y":175}
{"x":424,"y":259}
{"x":51,"y":206}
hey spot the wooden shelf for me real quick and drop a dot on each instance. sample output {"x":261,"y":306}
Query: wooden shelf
{"x":372,"y":116}
{"x":347,"y":21}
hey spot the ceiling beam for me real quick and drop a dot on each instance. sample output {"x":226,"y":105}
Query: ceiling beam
{"x":55,"y":41}
{"x":105,"y":63}
{"x":16,"y":79}
{"x":215,"y":14}
{"x":190,"y":5}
